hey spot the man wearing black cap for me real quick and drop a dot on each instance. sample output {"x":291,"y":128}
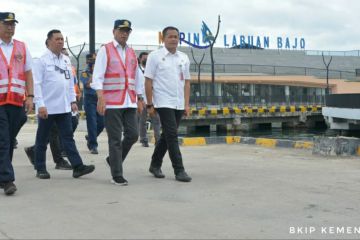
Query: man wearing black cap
{"x":15,"y":79}
{"x":94,"y":121}
{"x":118,"y":83}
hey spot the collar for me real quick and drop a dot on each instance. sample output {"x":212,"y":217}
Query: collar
{"x":166,"y":52}
{"x":53,"y":55}
{"x":4,"y":43}
{"x":116,"y":44}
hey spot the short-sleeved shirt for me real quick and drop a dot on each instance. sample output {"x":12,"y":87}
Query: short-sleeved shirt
{"x":168,"y":72}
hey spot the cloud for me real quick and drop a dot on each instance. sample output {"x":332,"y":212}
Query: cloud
{"x":326,"y":25}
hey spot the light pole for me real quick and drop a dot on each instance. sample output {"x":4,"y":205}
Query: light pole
{"x":92,"y":26}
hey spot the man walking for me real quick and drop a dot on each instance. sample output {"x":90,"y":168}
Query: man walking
{"x":55,"y":99}
{"x":94,"y":121}
{"x":118,"y":84}
{"x":167,"y":82}
{"x":155,"y":120}
{"x":15,"y":78}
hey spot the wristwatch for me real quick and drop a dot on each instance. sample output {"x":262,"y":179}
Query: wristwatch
{"x":148,"y":106}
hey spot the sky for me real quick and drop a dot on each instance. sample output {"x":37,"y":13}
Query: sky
{"x":324,"y":24}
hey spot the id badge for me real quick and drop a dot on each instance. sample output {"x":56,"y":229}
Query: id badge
{"x":67,"y":74}
{"x":181,"y":73}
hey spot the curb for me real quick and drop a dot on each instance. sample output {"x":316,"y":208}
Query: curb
{"x":263,"y":142}
{"x":231,"y":110}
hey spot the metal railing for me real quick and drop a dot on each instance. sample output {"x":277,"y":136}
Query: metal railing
{"x":253,"y":69}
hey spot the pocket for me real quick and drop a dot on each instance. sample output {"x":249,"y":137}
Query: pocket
{"x":50,"y":68}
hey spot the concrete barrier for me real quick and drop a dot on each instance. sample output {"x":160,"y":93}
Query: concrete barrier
{"x":264,"y":142}
{"x":336,"y":146}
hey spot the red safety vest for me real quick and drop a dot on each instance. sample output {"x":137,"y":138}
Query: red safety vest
{"x":12,"y":76}
{"x":119,"y":77}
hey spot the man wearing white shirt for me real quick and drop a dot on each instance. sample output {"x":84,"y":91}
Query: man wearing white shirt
{"x":167,"y":88}
{"x":118,"y":83}
{"x":155,"y":120}
{"x":55,"y":99}
{"x":15,"y":79}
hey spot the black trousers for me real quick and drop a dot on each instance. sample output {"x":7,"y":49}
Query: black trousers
{"x":10,"y":121}
{"x":170,"y":120}
{"x":117,"y":122}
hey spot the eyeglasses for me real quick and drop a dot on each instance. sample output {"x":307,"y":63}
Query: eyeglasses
{"x":125,"y":30}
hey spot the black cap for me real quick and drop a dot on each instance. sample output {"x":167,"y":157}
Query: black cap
{"x":122,"y":23}
{"x":7,"y":17}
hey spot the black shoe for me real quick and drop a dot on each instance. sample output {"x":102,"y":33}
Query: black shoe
{"x":43,"y":174}
{"x":63,"y":165}
{"x":156,"y":172}
{"x":83,"y":170}
{"x":183,"y":177}
{"x":30,"y":154}
{"x":94,"y":151}
{"x":9,"y":188}
{"x":119,"y":181}
{"x":145,"y":144}
{"x":63,"y":154}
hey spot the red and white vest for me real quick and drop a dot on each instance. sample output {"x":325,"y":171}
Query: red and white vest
{"x":12,"y":76}
{"x":119,"y":77}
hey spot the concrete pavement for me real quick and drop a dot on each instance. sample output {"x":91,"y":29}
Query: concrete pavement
{"x":237,"y":192}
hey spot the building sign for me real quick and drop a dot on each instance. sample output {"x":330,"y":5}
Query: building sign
{"x":240,"y":41}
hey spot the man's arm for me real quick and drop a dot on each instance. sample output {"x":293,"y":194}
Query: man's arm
{"x":29,"y":91}
{"x":187,"y":97}
{"x":149,"y":96}
{"x":38,"y":80}
{"x":98,"y":77}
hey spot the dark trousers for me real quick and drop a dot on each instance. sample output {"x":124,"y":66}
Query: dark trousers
{"x":55,"y":144}
{"x":23,"y":120}
{"x":63,"y":122}
{"x":118,"y":121}
{"x":170,"y":120}
{"x":10,"y":118}
{"x":155,"y":122}
{"x":94,"y":121}
{"x":74,"y":124}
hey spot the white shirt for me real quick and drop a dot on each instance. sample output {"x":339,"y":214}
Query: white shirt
{"x":99,"y":73}
{"x":53,"y":89}
{"x":168,"y":73}
{"x":7,"y":50}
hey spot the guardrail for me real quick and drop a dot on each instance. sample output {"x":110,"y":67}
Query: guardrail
{"x":273,"y":70}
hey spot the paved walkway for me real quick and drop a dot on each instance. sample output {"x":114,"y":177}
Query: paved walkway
{"x":237,"y":192}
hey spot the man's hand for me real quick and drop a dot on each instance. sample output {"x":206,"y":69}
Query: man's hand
{"x":140,"y":106}
{"x":29,"y":104}
{"x":74,"y":107}
{"x":101,"y":106}
{"x":187,"y":111}
{"x":42,"y":112}
{"x":151,"y":111}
